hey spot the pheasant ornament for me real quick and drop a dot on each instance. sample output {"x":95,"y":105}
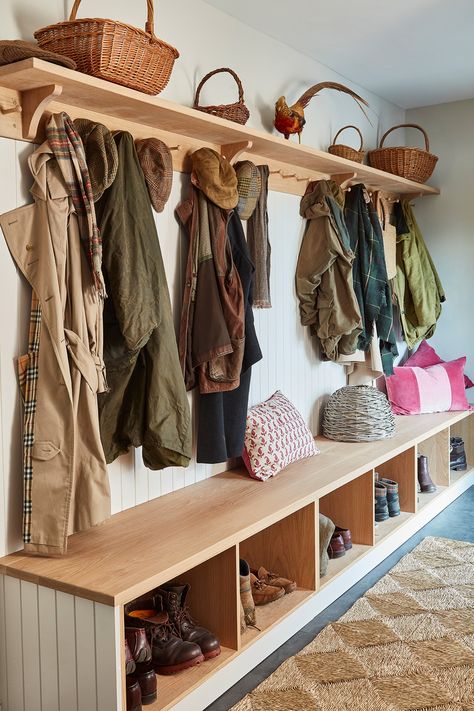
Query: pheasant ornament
{"x":291,"y":119}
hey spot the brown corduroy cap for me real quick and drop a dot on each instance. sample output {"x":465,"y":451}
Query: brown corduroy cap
{"x":249,"y":186}
{"x":215,"y":176}
{"x":15,"y":50}
{"x":157,"y":166}
{"x":101,"y":154}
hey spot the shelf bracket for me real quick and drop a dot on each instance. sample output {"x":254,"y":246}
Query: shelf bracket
{"x":232,"y":151}
{"x":344,"y":179}
{"x":34,"y":103}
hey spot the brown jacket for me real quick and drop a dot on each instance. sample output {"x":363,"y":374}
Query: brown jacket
{"x":212,"y":329}
{"x":69,"y":487}
{"x":324,"y":273}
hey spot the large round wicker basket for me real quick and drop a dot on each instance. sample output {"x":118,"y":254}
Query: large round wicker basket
{"x":358,"y":413}
{"x":411,"y":163}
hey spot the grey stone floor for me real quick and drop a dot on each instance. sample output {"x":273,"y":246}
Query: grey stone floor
{"x":456,"y":521}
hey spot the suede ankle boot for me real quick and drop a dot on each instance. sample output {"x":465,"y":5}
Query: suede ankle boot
{"x":246,"y":594}
{"x":393,"y":501}
{"x":326,"y":529}
{"x":173,"y":601}
{"x":424,"y":479}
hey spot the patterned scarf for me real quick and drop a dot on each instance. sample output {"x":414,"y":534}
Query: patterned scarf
{"x":68,"y":150}
{"x":259,"y":245}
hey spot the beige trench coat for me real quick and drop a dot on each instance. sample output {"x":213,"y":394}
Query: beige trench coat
{"x":69,"y":486}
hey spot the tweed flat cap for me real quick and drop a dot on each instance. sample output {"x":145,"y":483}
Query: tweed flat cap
{"x":216,"y":177}
{"x":249,"y":186}
{"x":157,"y":166}
{"x":15,"y":50}
{"x":101,"y":154}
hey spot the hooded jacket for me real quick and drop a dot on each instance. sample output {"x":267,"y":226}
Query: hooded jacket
{"x":324,"y":273}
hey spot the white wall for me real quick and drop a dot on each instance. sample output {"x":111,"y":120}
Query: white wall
{"x":206,"y":39}
{"x":447,"y":222}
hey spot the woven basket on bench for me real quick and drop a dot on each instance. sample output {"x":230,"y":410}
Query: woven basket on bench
{"x":358,"y":413}
{"x":112,"y":50}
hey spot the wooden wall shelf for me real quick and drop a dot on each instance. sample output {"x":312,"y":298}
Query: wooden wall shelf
{"x":30,"y":87}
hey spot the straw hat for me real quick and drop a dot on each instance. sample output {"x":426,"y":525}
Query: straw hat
{"x":157,"y":166}
{"x":15,"y":50}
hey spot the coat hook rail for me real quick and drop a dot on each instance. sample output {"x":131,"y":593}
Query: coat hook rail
{"x":176,"y":148}
{"x":10,"y":108}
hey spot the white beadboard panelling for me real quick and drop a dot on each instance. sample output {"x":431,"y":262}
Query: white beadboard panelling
{"x":108,"y":657}
{"x":31,"y":646}
{"x":67,"y":662}
{"x":48,"y":649}
{"x":85,"y":655}
{"x":14,"y":644}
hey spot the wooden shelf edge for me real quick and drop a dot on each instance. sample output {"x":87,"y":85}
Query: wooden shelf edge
{"x":90,"y":97}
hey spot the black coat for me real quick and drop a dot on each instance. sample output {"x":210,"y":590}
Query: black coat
{"x":222,"y":416}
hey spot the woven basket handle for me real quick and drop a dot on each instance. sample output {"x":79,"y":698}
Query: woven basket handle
{"x":149,"y":25}
{"x":407,"y":125}
{"x":355,"y":129}
{"x":218,"y":71}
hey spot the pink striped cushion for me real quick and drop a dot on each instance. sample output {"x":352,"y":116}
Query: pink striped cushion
{"x":426,"y":355}
{"x":438,"y":388}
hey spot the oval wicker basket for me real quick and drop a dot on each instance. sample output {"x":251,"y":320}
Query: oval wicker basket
{"x":237,"y":111}
{"x":339,"y":149}
{"x":412,"y":163}
{"x":112,"y":50}
{"x":358,"y":413}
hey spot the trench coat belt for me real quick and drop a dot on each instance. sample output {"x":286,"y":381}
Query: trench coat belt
{"x":90,"y":365}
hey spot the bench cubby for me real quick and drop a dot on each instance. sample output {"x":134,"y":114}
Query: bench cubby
{"x":197,"y":535}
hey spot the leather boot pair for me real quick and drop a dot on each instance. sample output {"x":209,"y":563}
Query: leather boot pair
{"x":341,"y":541}
{"x":141,"y":678}
{"x":170,"y":654}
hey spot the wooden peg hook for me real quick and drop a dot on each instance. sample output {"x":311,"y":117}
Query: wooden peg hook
{"x":34,"y":103}
{"x":344,"y":179}
{"x":232,"y":151}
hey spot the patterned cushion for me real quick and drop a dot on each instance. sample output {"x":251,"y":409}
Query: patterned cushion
{"x":438,"y":388}
{"x":275,"y":436}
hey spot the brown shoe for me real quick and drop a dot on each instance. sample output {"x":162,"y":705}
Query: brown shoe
{"x":274,"y":579}
{"x":173,"y":601}
{"x":263,"y":593}
{"x":336,"y":547}
{"x":424,"y":479}
{"x":146,"y":678}
{"x":169,"y":653}
{"x":134,"y":695}
{"x":129,"y":660}
{"x":246,"y":597}
{"x":138,"y":644}
{"x":346,"y":537}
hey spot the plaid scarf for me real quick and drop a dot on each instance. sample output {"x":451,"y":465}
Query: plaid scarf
{"x":68,"y":150}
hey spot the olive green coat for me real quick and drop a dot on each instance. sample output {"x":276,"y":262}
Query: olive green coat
{"x":417,"y":285}
{"x":147,"y":403}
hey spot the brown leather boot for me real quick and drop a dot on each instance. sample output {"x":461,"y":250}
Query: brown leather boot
{"x":134,"y":695}
{"x":263,"y":593}
{"x":145,"y":675}
{"x":138,"y":644}
{"x":170,"y":654}
{"x":336,"y":547}
{"x":173,"y":601}
{"x":275,"y":579}
{"x":424,"y":479}
{"x":129,"y":660}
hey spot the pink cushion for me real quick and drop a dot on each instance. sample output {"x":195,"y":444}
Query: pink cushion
{"x":438,"y":388}
{"x":275,"y":436}
{"x":426,"y":355}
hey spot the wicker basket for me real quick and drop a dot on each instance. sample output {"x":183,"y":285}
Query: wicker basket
{"x":339,"y":149}
{"x":358,"y":413}
{"x":412,"y":163}
{"x":113,"y":50}
{"x":237,"y":112}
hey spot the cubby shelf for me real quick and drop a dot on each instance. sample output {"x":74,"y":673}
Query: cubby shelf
{"x":26,"y":87}
{"x":200,"y":533}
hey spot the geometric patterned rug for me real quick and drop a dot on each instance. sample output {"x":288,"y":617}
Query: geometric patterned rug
{"x":408,"y":643}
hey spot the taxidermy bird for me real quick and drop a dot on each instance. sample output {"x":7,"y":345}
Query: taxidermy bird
{"x":290,"y":119}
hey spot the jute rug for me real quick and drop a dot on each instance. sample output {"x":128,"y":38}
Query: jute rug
{"x":407,"y":644}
